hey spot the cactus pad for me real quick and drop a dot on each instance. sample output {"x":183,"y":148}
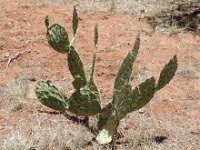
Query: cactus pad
{"x":84,"y":103}
{"x":91,"y":83}
{"x":167,"y":73}
{"x":58,"y":38}
{"x":125,"y":71}
{"x":142,"y":94}
{"x":50,"y":96}
{"x":109,"y":129}
{"x":75,"y":21}
{"x":76,"y":68}
{"x":96,"y":35}
{"x":123,"y":102}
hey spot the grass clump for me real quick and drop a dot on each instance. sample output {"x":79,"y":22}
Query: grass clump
{"x":18,"y":89}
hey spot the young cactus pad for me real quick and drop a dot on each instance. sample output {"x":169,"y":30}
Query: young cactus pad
{"x":75,"y":21}
{"x":167,"y":73}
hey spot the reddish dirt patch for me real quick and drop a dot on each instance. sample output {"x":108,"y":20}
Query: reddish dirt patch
{"x":22,"y":28}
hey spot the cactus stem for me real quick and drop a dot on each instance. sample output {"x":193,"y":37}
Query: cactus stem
{"x":94,"y":53}
{"x":74,"y":38}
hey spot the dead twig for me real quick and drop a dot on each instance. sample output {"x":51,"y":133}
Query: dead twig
{"x":11,"y":58}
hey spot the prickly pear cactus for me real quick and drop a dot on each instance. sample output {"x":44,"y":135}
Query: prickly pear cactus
{"x":85,"y":100}
{"x":125,"y":100}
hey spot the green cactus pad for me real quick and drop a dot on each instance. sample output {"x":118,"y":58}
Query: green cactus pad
{"x":76,"y":68}
{"x":75,"y":21}
{"x":167,"y":73}
{"x":78,"y":82}
{"x":93,"y":88}
{"x":107,"y":133}
{"x":94,"y":53}
{"x":125,"y":71}
{"x":50,"y":96}
{"x":96,"y":35}
{"x":58,"y":38}
{"x":123,"y":102}
{"x":142,"y":94}
{"x":84,"y":103}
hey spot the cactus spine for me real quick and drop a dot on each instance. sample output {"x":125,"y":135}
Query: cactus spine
{"x":85,"y":101}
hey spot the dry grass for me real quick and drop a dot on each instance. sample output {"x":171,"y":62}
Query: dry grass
{"x":18,"y":90}
{"x":186,"y":72}
{"x":148,"y":7}
{"x":138,"y":8}
{"x":37,"y":131}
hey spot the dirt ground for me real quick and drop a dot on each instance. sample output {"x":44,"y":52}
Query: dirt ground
{"x":175,"y":109}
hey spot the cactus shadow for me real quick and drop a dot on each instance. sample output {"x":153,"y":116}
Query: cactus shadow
{"x":49,"y":112}
{"x":84,"y":122}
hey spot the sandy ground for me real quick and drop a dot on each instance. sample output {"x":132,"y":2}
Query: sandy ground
{"x":176,"y":108}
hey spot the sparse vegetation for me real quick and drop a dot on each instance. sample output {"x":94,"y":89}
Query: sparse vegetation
{"x":112,"y":5}
{"x":43,"y":134}
{"x":18,"y":90}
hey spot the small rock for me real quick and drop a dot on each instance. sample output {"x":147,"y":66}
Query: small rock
{"x":141,"y":111}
